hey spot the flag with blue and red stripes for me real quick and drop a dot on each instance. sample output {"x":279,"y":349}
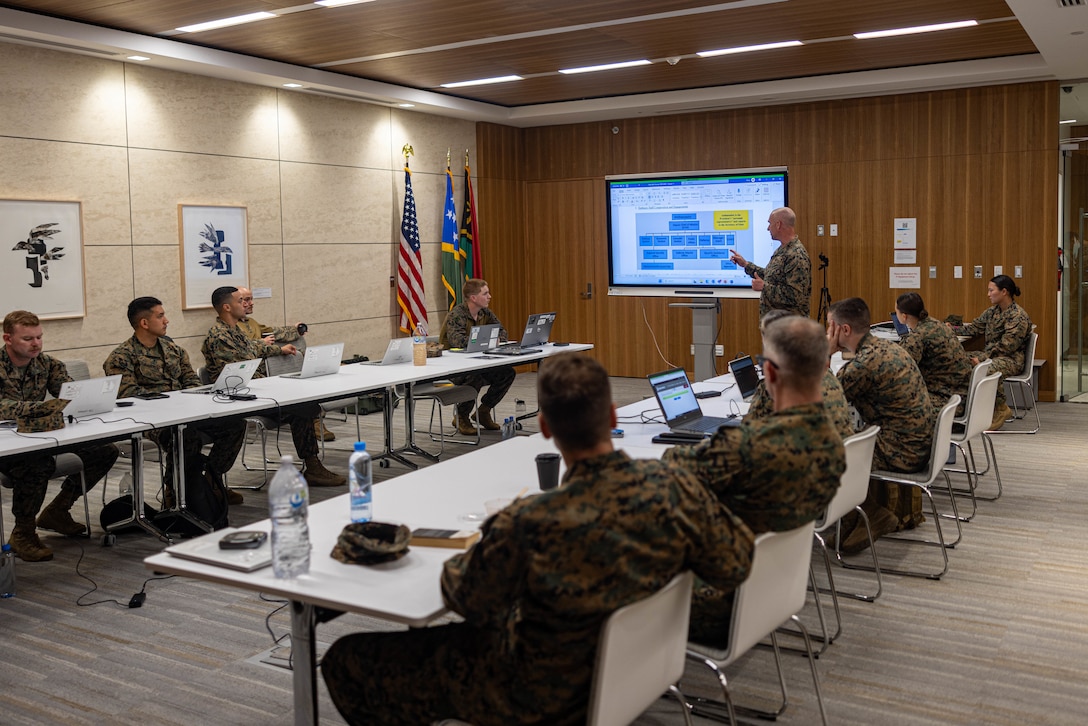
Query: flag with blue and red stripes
{"x":410,"y":295}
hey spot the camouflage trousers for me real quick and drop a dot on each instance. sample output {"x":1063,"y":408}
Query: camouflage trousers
{"x":451,"y":671}
{"x":711,"y":614}
{"x":498,"y":380}
{"x":226,"y":437}
{"x":902,"y":500}
{"x":30,"y":477}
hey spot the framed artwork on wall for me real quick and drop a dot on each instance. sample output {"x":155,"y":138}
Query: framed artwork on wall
{"x":214,"y":252}
{"x":43,"y":268}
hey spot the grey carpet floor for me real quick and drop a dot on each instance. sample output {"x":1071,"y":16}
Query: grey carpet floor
{"x":1000,"y":640}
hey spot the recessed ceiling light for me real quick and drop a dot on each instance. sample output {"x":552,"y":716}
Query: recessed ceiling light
{"x":337,"y":3}
{"x":748,"y":48}
{"x":1068,"y":121}
{"x":482,"y":81}
{"x":292,"y":85}
{"x":225,"y":22}
{"x":916,"y":29}
{"x":406,"y":105}
{"x":138,"y":57}
{"x":605,"y":67}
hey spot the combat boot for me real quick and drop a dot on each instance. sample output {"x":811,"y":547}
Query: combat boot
{"x":483,"y":417}
{"x":58,"y":518}
{"x":322,"y":433}
{"x":26,"y":545}
{"x":1001,"y":415}
{"x":464,"y":426}
{"x":318,"y":476}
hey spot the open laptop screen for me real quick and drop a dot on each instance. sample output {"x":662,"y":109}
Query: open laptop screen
{"x":744,"y":371}
{"x":674,"y":394}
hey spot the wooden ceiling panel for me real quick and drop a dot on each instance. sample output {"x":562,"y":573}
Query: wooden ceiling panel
{"x":409,"y":33}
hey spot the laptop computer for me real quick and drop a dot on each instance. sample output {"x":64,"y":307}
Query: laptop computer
{"x":233,"y":377}
{"x":900,"y":328}
{"x":319,"y":360}
{"x":538,"y":328}
{"x":747,"y":377}
{"x":399,"y":350}
{"x":681,"y":409}
{"x":481,"y":339}
{"x":91,"y":396}
{"x":207,"y":550}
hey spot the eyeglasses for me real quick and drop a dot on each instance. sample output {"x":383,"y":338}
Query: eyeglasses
{"x":760,"y":360}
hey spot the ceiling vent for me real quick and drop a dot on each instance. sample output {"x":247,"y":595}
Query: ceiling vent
{"x":1072,"y":3}
{"x":55,"y":44}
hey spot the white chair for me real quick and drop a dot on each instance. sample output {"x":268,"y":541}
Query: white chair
{"x":641,"y":655}
{"x":976,"y":419}
{"x":923,"y":480}
{"x":772,"y":595}
{"x":853,"y":488}
{"x":67,"y":465}
{"x":1022,"y":382}
{"x":444,"y":394}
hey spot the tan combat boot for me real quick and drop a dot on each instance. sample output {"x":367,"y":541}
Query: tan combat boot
{"x":1002,"y":414}
{"x":464,"y":426}
{"x":483,"y":417}
{"x":318,"y":476}
{"x":26,"y":545}
{"x":58,"y":518}
{"x":323,"y":434}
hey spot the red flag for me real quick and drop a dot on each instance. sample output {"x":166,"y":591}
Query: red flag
{"x":410,"y":296}
{"x":470,"y":235}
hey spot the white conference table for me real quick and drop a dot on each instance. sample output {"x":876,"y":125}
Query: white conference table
{"x":408,"y":591}
{"x":179,"y":409}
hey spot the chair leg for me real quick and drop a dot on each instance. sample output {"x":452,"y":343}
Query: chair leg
{"x":849,"y":566}
{"x":972,"y":478}
{"x":940,"y":537}
{"x":1029,"y":397}
{"x":812,"y":666}
{"x":86,"y":505}
{"x":699,"y":706}
{"x":679,"y":696}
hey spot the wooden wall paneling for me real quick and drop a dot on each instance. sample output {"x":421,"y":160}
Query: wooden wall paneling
{"x":576,"y":151}
{"x":498,"y":152}
{"x":564,"y":221}
{"x":503,"y":248}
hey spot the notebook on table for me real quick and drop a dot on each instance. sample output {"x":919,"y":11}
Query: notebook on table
{"x":91,"y":396}
{"x":319,"y":360}
{"x":682,"y":412}
{"x":233,"y":377}
{"x":399,"y":350}
{"x":747,"y":377}
{"x":538,"y":328}
{"x":481,"y":338}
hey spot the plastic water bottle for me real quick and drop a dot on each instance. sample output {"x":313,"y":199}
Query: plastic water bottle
{"x":359,"y":482}
{"x":507,"y":428}
{"x":287,"y":506}
{"x":7,"y":572}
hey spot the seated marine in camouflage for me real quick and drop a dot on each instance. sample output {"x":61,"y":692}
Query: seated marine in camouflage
{"x":227,"y":343}
{"x":883,"y":383}
{"x":149,"y":362}
{"x":26,"y":375}
{"x":936,"y":351}
{"x":475,"y":310}
{"x":548,"y":571}
{"x":775,"y":472}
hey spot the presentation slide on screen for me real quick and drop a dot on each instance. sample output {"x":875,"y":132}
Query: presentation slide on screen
{"x":680,"y":231}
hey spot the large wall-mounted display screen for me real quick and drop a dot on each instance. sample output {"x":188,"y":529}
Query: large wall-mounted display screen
{"x":671,"y":234}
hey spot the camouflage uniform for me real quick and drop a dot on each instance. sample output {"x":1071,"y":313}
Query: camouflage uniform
{"x":775,"y":473}
{"x":455,"y":332}
{"x":229,"y":344}
{"x":1007,"y":333}
{"x":22,"y":392}
{"x":165,"y":367}
{"x":789,"y":280}
{"x":883,"y":383}
{"x":256,"y":331}
{"x":941,"y":360}
{"x":835,"y":405}
{"x":534,"y":592}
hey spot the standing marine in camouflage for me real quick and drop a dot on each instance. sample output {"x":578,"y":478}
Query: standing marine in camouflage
{"x":536,"y":589}
{"x":786,"y":282}
{"x":26,"y":375}
{"x":149,"y":362}
{"x":776,"y":472}
{"x":226,"y":343}
{"x":1007,"y":328}
{"x":936,"y":351}
{"x":883,"y":383}
{"x":475,"y":310}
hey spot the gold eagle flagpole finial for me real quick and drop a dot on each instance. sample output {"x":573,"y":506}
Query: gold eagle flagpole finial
{"x":407,"y":150}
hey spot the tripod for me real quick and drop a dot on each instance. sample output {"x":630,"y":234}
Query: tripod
{"x":825,"y":294}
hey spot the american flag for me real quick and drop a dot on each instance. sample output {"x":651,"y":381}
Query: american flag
{"x":410,"y":297}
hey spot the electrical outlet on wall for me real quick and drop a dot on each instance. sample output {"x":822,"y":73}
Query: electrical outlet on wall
{"x":978,"y":272}
{"x":719,"y":350}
